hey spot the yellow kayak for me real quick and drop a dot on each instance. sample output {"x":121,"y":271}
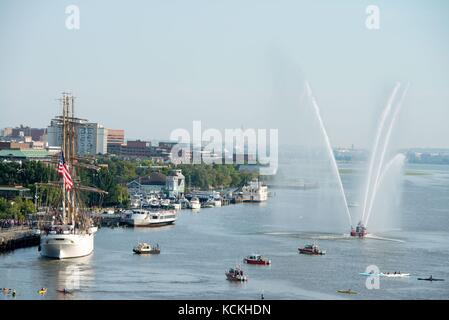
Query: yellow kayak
{"x":42,"y":291}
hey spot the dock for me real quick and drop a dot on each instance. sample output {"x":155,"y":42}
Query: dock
{"x":17,"y":237}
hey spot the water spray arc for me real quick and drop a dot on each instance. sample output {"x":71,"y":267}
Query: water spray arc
{"x":309,"y":94}
{"x":373,"y":159}
{"x":380,"y":166}
{"x":377,"y":169}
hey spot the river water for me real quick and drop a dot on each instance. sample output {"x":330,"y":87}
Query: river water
{"x":198,"y":249}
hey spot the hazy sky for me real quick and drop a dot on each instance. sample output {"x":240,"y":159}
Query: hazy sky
{"x":152,"y":66}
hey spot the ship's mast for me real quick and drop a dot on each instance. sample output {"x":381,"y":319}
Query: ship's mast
{"x":69,"y":148}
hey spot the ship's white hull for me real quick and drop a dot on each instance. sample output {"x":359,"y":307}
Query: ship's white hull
{"x":150,"y":219}
{"x":65,"y":246}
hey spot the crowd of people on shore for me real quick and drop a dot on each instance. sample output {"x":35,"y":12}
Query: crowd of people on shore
{"x":11,"y":223}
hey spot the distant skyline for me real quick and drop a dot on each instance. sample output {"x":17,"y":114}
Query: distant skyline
{"x":149,"y":67}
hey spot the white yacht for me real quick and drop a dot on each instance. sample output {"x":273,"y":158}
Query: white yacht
{"x":256,"y":191}
{"x":149,"y":218}
{"x":195,"y":203}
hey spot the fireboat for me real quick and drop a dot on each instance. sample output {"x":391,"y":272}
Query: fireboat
{"x":359,"y":231}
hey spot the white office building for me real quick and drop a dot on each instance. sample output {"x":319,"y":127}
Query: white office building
{"x":91,"y":138}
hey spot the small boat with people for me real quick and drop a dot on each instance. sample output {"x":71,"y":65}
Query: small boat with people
{"x":236,"y":274}
{"x":311,"y":249}
{"x":146,"y":248}
{"x":257,"y":259}
{"x":396,"y":274}
{"x":431,"y":279}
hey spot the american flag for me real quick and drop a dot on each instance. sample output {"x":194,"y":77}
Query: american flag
{"x":64,"y":172}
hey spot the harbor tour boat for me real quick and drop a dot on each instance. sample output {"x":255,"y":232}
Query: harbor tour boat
{"x":150,"y":218}
{"x":236,"y":274}
{"x":145,"y":248}
{"x":311,"y":249}
{"x":359,"y":231}
{"x":70,"y":232}
{"x":257,"y":259}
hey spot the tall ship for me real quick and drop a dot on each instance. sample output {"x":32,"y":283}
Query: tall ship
{"x":69,"y":231}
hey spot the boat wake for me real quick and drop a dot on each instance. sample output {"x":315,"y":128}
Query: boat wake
{"x":327,"y":236}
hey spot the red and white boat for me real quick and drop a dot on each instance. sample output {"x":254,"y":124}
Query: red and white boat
{"x":359,"y":231}
{"x":257,"y":259}
{"x":312,"y":249}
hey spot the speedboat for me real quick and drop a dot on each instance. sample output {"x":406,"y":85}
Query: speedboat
{"x":257,"y":259}
{"x":144,"y":247}
{"x":236,"y":274}
{"x":311,"y":249}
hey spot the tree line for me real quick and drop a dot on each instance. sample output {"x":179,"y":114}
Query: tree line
{"x":113,"y":175}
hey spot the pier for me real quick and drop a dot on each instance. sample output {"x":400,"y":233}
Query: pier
{"x":17,"y":237}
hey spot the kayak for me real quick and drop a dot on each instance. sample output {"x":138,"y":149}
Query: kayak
{"x":349,"y":291}
{"x":42,"y":291}
{"x":430,"y":279}
{"x":65,"y":291}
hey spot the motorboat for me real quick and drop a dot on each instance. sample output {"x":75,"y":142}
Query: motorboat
{"x":311,"y":249}
{"x":236,"y":274}
{"x":360,"y":230}
{"x":195,"y":203}
{"x":257,"y":259}
{"x":145,"y":248}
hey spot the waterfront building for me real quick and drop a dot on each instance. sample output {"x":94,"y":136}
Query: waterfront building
{"x":154,"y":183}
{"x":175,"y":184}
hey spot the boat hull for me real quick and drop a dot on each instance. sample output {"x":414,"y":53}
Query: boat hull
{"x":66,"y":246}
{"x":151,"y":219}
{"x":138,"y":223}
{"x":258,"y":262}
{"x":312,"y":253}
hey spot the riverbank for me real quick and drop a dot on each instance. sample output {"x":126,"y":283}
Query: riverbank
{"x":17,"y":237}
